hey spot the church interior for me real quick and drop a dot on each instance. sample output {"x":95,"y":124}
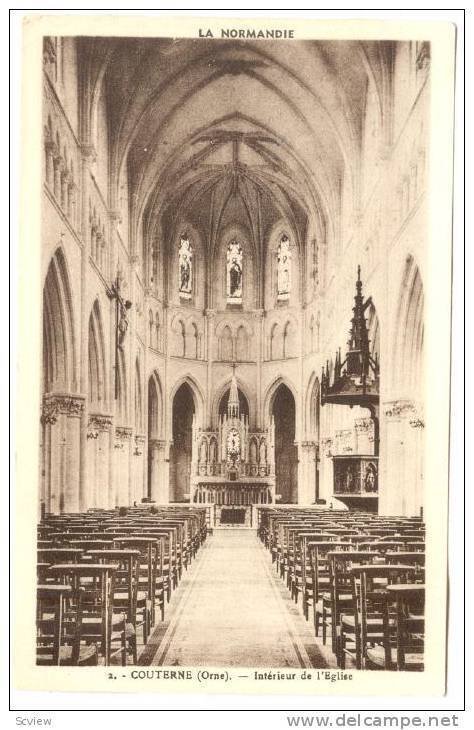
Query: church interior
{"x":234,"y":249}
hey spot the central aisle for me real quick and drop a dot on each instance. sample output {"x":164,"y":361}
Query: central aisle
{"x":232,"y":610}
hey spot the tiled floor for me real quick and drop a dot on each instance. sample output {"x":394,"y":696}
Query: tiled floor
{"x":232,"y":610}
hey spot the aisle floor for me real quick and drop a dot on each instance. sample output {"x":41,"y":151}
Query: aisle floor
{"x":231,"y":609}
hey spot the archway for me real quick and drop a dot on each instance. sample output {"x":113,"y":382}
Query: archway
{"x":286,"y":453}
{"x":243,"y":403}
{"x":61,"y":407}
{"x":58,"y":339}
{"x":98,"y":441}
{"x":155,"y":461}
{"x":181,"y":450}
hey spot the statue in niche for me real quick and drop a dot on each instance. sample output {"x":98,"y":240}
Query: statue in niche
{"x":213,"y":452}
{"x":253,"y":452}
{"x":185,"y":267}
{"x":350,"y":483}
{"x":370,"y":479}
{"x":203,"y":452}
{"x":284,"y":268}
{"x":263,"y":453}
{"x":234,"y":271}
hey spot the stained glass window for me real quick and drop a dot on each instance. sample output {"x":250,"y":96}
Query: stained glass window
{"x":185,"y":267}
{"x":284,"y":268}
{"x":234,"y":272}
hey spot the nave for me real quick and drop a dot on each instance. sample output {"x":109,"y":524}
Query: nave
{"x":310,"y":588}
{"x":232,"y":611}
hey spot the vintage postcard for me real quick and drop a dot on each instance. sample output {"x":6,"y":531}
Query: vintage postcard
{"x":234,"y":356}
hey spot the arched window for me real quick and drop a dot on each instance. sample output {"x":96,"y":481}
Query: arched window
{"x":182,"y":343}
{"x":226,"y":344}
{"x":185,"y":267}
{"x":276,"y":343}
{"x":289,"y":346}
{"x":241,"y":344}
{"x":284,"y":269}
{"x":179,"y":338}
{"x":193,"y":336}
{"x":234,"y":272}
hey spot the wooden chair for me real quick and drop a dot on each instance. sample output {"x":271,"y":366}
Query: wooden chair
{"x":402,"y":645}
{"x":340,"y":597}
{"x":318,"y":552}
{"x":147,"y":573}
{"x":362,"y":624}
{"x":59,"y":628}
{"x":99,"y":622}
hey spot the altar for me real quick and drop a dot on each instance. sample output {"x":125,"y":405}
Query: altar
{"x":232,"y":467}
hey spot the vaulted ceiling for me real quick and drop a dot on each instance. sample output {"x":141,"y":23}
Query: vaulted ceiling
{"x":211,"y":130}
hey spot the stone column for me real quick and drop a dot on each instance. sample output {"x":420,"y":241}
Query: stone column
{"x":307,"y":472}
{"x":401,"y":459}
{"x":61,"y":420}
{"x":122,"y":483}
{"x":138,"y":491}
{"x":88,"y":155}
{"x":99,"y":445}
{"x":158,"y":472}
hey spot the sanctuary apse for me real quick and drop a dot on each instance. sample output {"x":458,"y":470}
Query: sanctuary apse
{"x":206,"y":205}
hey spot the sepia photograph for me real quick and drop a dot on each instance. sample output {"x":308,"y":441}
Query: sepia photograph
{"x":236,"y":264}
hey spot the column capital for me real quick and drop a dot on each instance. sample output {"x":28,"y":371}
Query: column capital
{"x":123,"y":433}
{"x":55,"y":404}
{"x":100,"y":422}
{"x":399,"y":409}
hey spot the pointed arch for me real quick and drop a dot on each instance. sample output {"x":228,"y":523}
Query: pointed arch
{"x":183,"y":409}
{"x":283,"y":412}
{"x":241,"y":344}
{"x":138,"y":397}
{"x":226,"y":344}
{"x":192,"y":342}
{"x":373,"y":329}
{"x":59,"y":359}
{"x":409,"y":332}
{"x":270,"y":395}
{"x":122,"y":391}
{"x":179,"y":332}
{"x":245,"y":399}
{"x":276,"y":342}
{"x":312,"y":407}
{"x":97,"y":386}
{"x":155,"y":406}
{"x":198,"y":398}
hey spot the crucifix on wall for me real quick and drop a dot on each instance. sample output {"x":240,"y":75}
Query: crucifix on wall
{"x":121,"y":322}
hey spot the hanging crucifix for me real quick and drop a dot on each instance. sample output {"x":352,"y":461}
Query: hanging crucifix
{"x":121,"y":322}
